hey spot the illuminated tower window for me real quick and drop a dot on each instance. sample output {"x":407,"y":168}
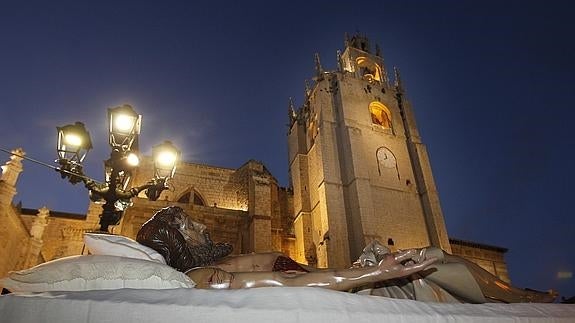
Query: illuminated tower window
{"x":380,"y":114}
{"x":369,"y":70}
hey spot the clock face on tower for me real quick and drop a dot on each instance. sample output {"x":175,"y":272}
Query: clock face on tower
{"x":385,"y":158}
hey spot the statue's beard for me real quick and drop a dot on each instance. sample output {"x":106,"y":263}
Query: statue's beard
{"x":194,"y":237}
{"x":203,"y":249}
{"x":208,"y":253}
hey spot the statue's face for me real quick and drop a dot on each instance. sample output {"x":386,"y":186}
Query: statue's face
{"x":192,"y":231}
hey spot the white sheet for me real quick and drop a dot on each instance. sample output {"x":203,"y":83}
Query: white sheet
{"x":300,"y":304}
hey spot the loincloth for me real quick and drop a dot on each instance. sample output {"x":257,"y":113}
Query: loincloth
{"x":284,"y":264}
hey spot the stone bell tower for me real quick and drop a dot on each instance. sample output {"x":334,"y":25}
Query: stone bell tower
{"x":358,"y":168}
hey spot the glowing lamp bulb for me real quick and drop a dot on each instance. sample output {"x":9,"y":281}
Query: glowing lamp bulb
{"x":133,"y":160}
{"x":124,"y":123}
{"x":166,"y":159}
{"x":73,"y":140}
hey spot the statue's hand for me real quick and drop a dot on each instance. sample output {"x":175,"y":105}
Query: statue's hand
{"x":403,"y":263}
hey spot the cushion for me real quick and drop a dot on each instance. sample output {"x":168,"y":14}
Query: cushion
{"x":114,"y":245}
{"x":93,"y":272}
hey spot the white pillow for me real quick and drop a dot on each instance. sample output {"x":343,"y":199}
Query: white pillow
{"x":79,"y":273}
{"x":114,"y":245}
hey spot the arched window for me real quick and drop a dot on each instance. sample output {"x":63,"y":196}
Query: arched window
{"x":380,"y":114}
{"x":369,"y":70}
{"x":198,"y":200}
{"x":187,"y":197}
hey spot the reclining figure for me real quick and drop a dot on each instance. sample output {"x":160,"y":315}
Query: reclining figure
{"x":427,"y":274}
{"x":449,"y":279}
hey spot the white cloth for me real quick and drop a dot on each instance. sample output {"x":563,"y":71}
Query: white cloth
{"x":272,"y":304}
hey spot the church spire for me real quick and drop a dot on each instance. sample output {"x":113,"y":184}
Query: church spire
{"x":360,"y":42}
{"x":291,"y":112}
{"x":318,"y":68}
{"x":398,"y":84}
{"x":307,"y":88}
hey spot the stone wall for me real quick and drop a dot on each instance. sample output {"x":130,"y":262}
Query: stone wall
{"x":244,"y":206}
{"x":217,"y":186}
{"x":63,"y":233}
{"x":490,"y":258}
{"x":15,"y":241}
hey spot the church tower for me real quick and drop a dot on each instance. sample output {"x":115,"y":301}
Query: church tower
{"x":358,"y":168}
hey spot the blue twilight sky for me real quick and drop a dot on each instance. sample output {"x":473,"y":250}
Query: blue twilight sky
{"x":491,"y":83}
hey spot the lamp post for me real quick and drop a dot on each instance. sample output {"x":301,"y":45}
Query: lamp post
{"x":124,"y":128}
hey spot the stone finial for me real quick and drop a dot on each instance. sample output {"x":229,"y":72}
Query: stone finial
{"x":40,"y":223}
{"x":307,"y":88}
{"x":13,"y":167}
{"x":10,"y":172}
{"x":338,"y":59}
{"x":318,"y":67}
{"x":398,"y":84}
{"x":17,"y":154}
{"x":360,"y":42}
{"x":291,"y":112}
{"x":377,"y":50}
{"x":350,"y":59}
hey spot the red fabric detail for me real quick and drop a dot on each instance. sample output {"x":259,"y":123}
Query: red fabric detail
{"x":287,"y":264}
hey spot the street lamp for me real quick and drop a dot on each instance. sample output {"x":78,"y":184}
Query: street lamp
{"x":165,"y":157}
{"x":73,"y":146}
{"x":124,"y":128}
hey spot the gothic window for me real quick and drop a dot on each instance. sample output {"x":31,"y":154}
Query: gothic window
{"x":369,"y":70}
{"x":198,"y":200}
{"x":380,"y":114}
{"x":187,"y":197}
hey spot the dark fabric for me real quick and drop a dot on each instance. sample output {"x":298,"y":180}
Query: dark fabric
{"x":287,"y":264}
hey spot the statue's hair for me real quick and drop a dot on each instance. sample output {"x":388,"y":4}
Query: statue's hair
{"x":161,"y":234}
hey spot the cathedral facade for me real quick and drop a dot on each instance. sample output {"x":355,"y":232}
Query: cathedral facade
{"x":358,"y":171}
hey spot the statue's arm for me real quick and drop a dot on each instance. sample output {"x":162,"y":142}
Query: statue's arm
{"x":343,"y":279}
{"x":390,"y":267}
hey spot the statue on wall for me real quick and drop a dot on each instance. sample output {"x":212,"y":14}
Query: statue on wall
{"x":426,"y":274}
